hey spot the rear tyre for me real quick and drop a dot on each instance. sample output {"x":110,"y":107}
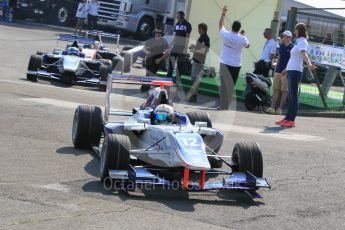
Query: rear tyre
{"x":200,"y":117}
{"x":118,"y":63}
{"x":115,"y":154}
{"x":215,"y":162}
{"x":35,"y":64}
{"x":87,"y":126}
{"x":250,"y":101}
{"x":128,"y":47}
{"x":247,"y":158}
{"x":40,"y":53}
{"x":105,"y":55}
{"x":127,"y":61}
{"x":104,"y":71}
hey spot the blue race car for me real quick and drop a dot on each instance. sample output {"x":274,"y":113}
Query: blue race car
{"x":87,"y":64}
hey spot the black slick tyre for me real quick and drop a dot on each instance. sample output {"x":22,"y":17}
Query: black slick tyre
{"x":215,"y":162}
{"x":115,"y":154}
{"x":35,"y":64}
{"x":87,"y":126}
{"x":247,"y":157}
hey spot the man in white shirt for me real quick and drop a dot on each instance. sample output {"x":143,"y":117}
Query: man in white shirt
{"x":230,"y":59}
{"x":263,"y":66}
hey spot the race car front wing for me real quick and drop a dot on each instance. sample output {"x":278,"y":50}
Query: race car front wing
{"x":244,"y":181}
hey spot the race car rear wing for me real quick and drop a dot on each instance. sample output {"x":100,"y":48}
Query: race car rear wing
{"x":140,"y":80}
{"x":131,"y":79}
{"x":91,"y":37}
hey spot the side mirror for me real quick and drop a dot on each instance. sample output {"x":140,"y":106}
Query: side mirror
{"x":208,"y":131}
{"x":200,"y":124}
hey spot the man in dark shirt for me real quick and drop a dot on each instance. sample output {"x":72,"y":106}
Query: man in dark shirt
{"x":156,"y":52}
{"x":280,"y":84}
{"x":179,"y":45}
{"x":199,"y":56}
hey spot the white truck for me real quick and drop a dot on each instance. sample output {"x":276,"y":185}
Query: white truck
{"x":140,"y":17}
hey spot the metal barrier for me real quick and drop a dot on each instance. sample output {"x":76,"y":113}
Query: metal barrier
{"x":322,"y":89}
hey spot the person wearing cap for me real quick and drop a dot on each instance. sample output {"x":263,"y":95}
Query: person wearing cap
{"x":179,"y":45}
{"x":263,"y":66}
{"x":280,"y":84}
{"x":156,"y":52}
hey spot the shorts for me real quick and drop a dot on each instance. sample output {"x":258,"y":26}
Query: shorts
{"x":196,"y":70}
{"x":81,"y":21}
{"x":280,"y":82}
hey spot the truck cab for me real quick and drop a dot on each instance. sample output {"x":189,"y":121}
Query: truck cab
{"x":139,"y":16}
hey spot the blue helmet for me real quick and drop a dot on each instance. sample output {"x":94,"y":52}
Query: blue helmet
{"x":73,"y":51}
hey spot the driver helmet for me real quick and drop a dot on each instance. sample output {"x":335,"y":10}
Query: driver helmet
{"x":97,"y":45}
{"x":163,"y":114}
{"x":73,"y":51}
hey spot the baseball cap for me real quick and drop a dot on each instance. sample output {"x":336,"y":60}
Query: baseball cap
{"x":287,"y":33}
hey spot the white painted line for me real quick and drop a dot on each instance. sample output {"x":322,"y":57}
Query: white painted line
{"x":49,"y":86}
{"x":267,"y":132}
{"x":53,"y":102}
{"x":56,"y":187}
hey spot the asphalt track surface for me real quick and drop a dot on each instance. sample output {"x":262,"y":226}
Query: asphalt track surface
{"x":47,"y":184}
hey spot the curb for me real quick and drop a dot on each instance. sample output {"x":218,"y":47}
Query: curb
{"x":340,"y":114}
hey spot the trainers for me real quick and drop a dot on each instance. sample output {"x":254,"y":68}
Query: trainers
{"x":281,"y":122}
{"x":279,"y":112}
{"x":270,"y":111}
{"x":288,"y":124}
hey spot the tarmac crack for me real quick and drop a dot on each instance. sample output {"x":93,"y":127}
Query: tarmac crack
{"x":33,"y":221}
{"x":255,"y":218}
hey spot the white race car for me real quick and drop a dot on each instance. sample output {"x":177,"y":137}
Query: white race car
{"x":158,"y":145}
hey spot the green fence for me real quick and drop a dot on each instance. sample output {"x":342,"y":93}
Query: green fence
{"x":310,"y":98}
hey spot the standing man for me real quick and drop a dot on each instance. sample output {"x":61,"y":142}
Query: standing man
{"x":156,"y":52}
{"x":263,"y":66}
{"x":179,"y":45}
{"x":81,"y":15}
{"x":230,"y":59}
{"x":280,"y":83}
{"x":199,"y":57}
{"x":92,"y":14}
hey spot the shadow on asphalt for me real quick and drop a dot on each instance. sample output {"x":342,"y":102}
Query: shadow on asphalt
{"x":91,"y":167}
{"x":179,"y":200}
{"x":273,"y":129}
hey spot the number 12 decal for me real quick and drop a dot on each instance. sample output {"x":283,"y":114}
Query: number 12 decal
{"x":190,"y":142}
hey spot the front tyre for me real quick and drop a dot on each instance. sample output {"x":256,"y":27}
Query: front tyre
{"x":87,"y":126}
{"x":35,"y":64}
{"x":247,"y":157}
{"x":115,"y":154}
